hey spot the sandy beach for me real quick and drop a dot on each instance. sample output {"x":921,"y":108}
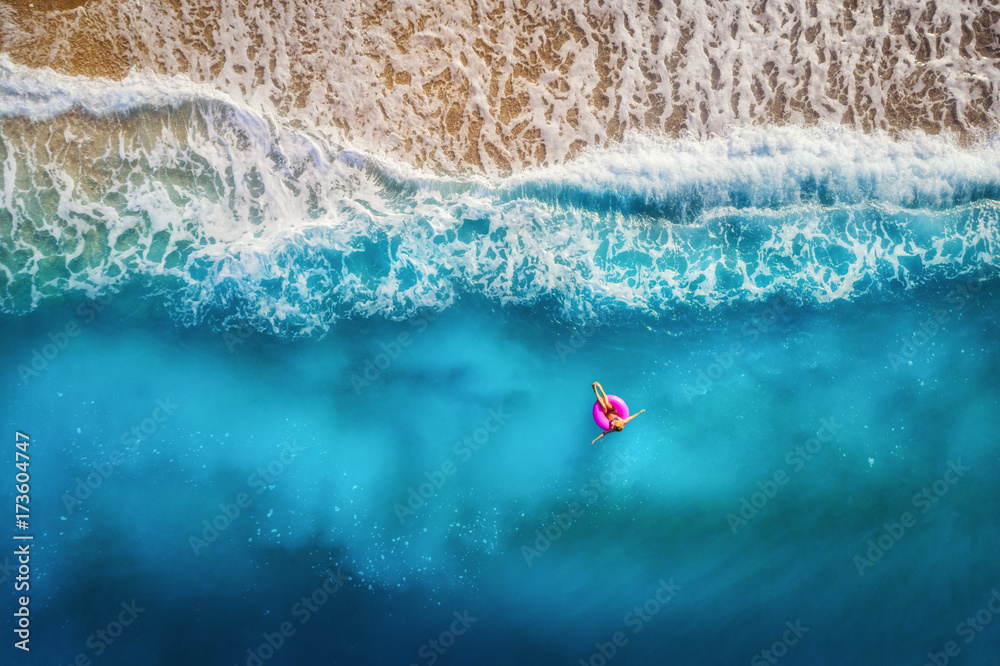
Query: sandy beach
{"x":454,"y":87}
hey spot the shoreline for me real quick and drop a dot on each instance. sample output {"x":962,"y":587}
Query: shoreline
{"x":452,"y":89}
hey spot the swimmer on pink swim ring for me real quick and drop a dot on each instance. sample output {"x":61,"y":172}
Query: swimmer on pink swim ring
{"x":610,"y":412}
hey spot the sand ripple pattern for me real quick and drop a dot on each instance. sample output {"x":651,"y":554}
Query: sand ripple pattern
{"x":500,"y":86}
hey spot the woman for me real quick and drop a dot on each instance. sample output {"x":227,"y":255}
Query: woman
{"x":616,"y":422}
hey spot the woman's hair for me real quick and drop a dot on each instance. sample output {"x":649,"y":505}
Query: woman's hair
{"x":617,"y":423}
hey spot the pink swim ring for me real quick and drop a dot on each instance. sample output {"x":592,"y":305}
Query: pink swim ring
{"x":616,"y":402}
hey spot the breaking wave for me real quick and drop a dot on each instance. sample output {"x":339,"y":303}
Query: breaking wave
{"x":219,"y":208}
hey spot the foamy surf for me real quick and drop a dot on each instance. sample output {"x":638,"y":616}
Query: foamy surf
{"x":183,"y":191}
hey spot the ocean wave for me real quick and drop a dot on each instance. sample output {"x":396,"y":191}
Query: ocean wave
{"x":221,"y":209}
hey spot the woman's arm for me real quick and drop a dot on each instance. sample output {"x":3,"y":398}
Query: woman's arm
{"x":634,"y":415}
{"x":599,"y":436}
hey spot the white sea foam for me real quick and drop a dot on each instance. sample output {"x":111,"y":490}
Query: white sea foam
{"x":503,"y":84}
{"x":42,"y":94}
{"x":232,"y":212}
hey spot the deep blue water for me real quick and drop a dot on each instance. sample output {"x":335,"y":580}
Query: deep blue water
{"x":329,"y":500}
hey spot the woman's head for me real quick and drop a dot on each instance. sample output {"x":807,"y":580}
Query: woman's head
{"x":617,"y":424}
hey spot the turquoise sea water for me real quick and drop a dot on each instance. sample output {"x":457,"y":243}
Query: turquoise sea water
{"x":290,"y":404}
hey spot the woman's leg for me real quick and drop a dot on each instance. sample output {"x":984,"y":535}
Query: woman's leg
{"x":601,"y":396}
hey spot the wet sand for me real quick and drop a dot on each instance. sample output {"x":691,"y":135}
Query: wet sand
{"x":455,"y":89}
